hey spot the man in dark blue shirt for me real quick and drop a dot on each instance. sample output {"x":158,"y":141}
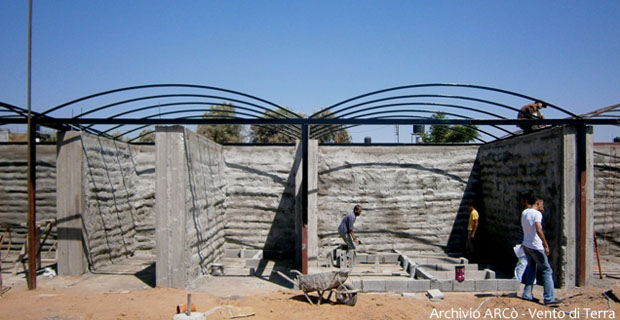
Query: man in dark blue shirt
{"x":345,"y":229}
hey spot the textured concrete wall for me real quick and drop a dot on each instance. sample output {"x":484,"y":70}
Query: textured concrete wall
{"x":206,"y":201}
{"x":119,"y":193}
{"x":260,"y":198}
{"x":607,"y":197}
{"x":14,"y":189}
{"x":190,"y":206}
{"x":413,"y":197}
{"x":543,"y":163}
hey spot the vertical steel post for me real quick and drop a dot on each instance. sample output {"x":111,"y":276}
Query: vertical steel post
{"x":32,"y":147}
{"x":583,"y":216}
{"x":304,"y":198}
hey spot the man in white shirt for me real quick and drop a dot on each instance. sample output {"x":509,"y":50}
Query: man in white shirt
{"x":536,"y":250}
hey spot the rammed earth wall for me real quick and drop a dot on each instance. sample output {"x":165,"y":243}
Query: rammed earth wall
{"x":607,"y":197}
{"x":218,"y":197}
{"x":260,"y":199}
{"x":414,"y":197}
{"x":120,"y":196}
{"x":14,"y":191}
{"x":543,"y":163}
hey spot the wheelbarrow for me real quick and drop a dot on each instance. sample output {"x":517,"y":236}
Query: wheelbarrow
{"x":323,"y":282}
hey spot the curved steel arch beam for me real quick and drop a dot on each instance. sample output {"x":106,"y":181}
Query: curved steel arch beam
{"x":419,"y":103}
{"x":388,"y":117}
{"x":423,"y":96}
{"x":190,"y":117}
{"x":456,"y":106}
{"x":179,"y":96}
{"x":169,"y":85}
{"x":285,"y":129}
{"x":327,"y":130}
{"x":443,"y":85}
{"x":181,"y":103}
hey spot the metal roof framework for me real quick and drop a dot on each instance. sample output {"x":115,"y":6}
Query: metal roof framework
{"x":139,"y":107}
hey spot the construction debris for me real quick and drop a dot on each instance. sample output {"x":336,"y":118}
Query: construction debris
{"x":435,"y":295}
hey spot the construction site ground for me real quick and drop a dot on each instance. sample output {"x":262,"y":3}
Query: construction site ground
{"x":121,"y":294}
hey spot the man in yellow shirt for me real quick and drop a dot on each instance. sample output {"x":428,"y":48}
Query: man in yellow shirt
{"x":472,"y":226}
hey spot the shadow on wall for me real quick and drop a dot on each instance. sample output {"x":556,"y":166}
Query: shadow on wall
{"x":458,"y":234}
{"x":280,"y":242}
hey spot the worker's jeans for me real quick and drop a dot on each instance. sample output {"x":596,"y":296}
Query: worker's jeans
{"x":537,"y":259}
{"x":348,"y":240}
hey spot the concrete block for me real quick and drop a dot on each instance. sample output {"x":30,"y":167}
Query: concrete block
{"x":361,"y":258}
{"x":404,"y":262}
{"x":421,"y":273}
{"x":192,"y":316}
{"x":512,"y":285}
{"x":411,"y":269}
{"x":252,"y":263}
{"x":485,"y":285}
{"x":373,"y":285}
{"x":357,"y":284}
{"x":489,"y":274}
{"x":409,"y":295}
{"x":397,"y":285}
{"x":435,"y":294}
{"x":443,"y":285}
{"x":231,"y":253}
{"x":446,"y":275}
{"x":418,"y":285}
{"x":467,"y":285}
{"x":388,"y":258}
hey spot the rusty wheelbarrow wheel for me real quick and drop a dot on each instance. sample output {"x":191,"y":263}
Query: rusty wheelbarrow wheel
{"x":345,"y":294}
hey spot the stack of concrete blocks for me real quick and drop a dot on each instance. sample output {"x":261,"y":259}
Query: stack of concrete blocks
{"x":424,"y":276}
{"x":190,"y":206}
{"x":105,"y":197}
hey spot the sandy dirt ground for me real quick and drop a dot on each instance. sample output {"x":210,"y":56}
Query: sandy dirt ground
{"x":94,"y":296}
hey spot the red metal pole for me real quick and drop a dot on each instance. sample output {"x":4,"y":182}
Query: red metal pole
{"x":583,"y":217}
{"x":32,"y":147}
{"x":304,"y":199}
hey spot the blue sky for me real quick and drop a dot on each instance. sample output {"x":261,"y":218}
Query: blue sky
{"x":311,"y":54}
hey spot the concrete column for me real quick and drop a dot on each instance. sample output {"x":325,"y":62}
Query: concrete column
{"x":569,"y":202}
{"x":313,"y":236}
{"x":70,"y":204}
{"x":170,"y":207}
{"x":571,"y":207}
{"x":590,"y":204}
